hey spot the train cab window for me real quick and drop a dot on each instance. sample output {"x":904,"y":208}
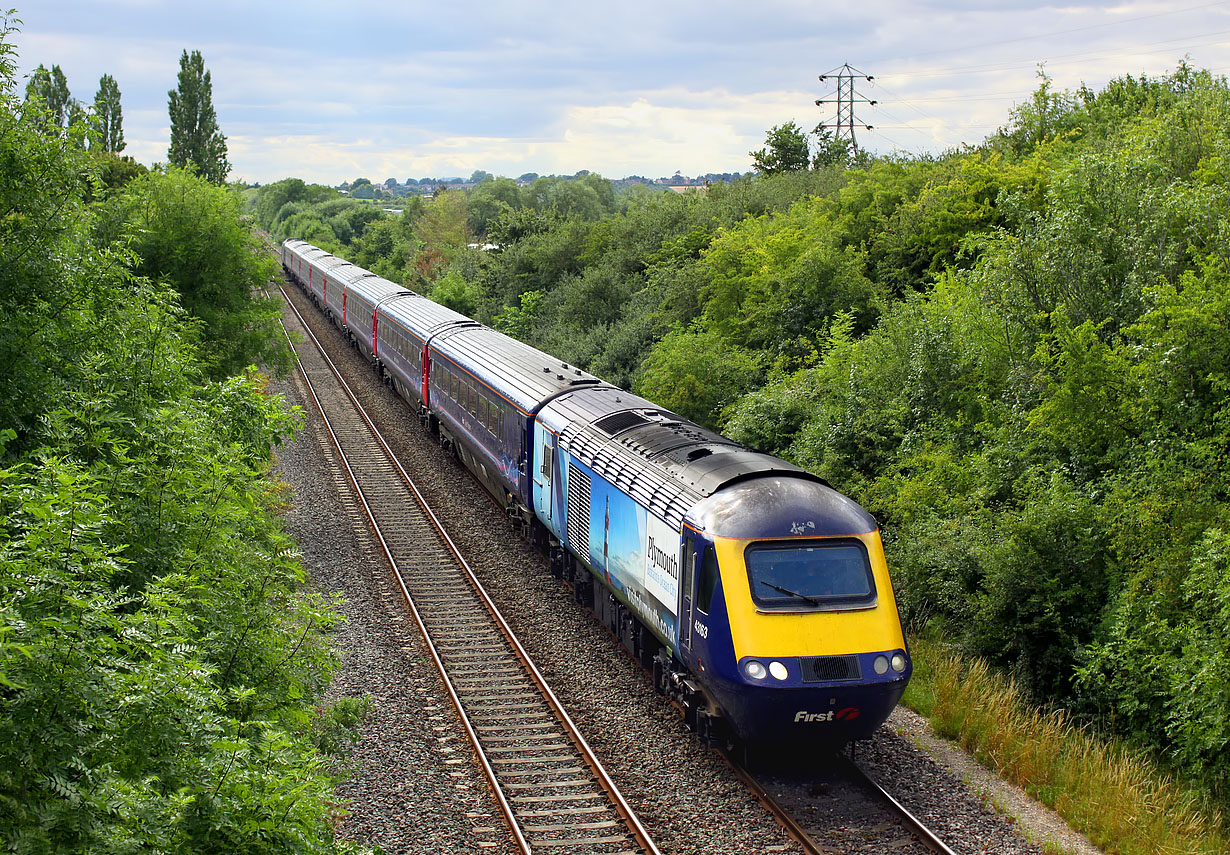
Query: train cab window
{"x":706,"y":580}
{"x":808,"y":575}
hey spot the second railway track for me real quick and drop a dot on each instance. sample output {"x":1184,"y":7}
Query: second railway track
{"x":553,"y":792}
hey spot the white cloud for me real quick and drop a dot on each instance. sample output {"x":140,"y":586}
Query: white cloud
{"x":417,"y":87}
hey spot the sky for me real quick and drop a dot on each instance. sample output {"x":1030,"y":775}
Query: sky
{"x":332,"y":91}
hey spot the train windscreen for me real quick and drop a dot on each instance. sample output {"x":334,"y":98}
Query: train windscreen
{"x":820,"y":574}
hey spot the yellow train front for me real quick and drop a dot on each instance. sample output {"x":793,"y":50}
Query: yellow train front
{"x":787,"y":616}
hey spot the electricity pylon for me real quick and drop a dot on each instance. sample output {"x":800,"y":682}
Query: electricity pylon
{"x":846,"y":97}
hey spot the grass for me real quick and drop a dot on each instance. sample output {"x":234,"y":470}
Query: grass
{"x":1119,"y":798}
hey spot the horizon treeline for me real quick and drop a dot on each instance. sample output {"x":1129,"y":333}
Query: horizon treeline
{"x":1016,"y":355}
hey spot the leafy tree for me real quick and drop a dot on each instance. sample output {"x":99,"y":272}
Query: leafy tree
{"x":697,"y":374}
{"x":488,"y":200}
{"x":785,"y":150}
{"x":517,"y":321}
{"x":50,"y":90}
{"x":108,"y":117}
{"x":830,"y":149}
{"x":188,"y":233}
{"x":454,"y":291}
{"x":195,"y":137}
{"x":45,"y":247}
{"x":776,"y":282}
{"x":114,"y":172}
{"x":442,"y":232}
{"x":160,"y":654}
{"x":586,"y":197}
{"x":1043,"y":117}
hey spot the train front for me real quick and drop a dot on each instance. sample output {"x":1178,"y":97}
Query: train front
{"x":793,"y":626}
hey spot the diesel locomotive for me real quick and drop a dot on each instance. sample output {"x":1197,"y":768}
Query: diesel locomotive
{"x":756,"y":593}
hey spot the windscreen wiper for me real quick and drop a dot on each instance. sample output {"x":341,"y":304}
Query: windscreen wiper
{"x":790,"y":593}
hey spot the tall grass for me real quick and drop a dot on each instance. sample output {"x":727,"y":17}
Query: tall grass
{"x":1119,"y":798}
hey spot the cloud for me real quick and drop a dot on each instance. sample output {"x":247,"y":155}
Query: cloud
{"x":398,"y":88}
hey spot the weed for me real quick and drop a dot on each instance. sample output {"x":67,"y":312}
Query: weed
{"x":1121,"y":799}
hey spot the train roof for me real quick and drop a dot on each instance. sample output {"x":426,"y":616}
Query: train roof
{"x":375,"y":289}
{"x":666,"y":462}
{"x":421,"y":316}
{"x":780,"y":506}
{"x":523,"y":374}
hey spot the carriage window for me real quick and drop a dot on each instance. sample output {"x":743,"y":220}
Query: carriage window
{"x":810,"y":575}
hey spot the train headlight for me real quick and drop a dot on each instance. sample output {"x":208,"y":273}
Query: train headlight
{"x":899,"y":662}
{"x":880,"y":665}
{"x":778,"y":670}
{"x":754,"y":669}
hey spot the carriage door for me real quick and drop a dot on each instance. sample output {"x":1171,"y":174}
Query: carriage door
{"x":544,"y":468}
{"x":687,"y":593}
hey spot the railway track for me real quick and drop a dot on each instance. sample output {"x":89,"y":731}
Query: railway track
{"x":913,"y":824}
{"x":867,"y":806}
{"x":554,"y":794}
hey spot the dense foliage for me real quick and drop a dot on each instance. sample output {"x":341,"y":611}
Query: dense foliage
{"x":160,"y":656}
{"x":1017,"y":355}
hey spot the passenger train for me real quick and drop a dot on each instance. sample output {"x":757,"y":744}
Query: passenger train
{"x":756,"y":593}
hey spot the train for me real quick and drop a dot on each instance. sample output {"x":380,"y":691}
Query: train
{"x":756,"y":594}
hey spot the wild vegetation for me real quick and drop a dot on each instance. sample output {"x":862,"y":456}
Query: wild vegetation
{"x":161,"y":660}
{"x":1017,"y":355}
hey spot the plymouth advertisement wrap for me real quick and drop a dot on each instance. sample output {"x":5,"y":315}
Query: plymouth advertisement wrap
{"x":638,"y":553}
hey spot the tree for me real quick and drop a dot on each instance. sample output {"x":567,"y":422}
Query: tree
{"x":830,"y":149}
{"x":785,"y":150}
{"x":108,"y":117}
{"x":50,"y":88}
{"x":489,"y":199}
{"x":189,"y":234}
{"x":195,"y":137}
{"x":697,"y":373}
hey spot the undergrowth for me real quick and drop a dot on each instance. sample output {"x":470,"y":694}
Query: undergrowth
{"x":1121,"y":799}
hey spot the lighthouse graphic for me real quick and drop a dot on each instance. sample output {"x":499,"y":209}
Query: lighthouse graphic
{"x":606,"y":539}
